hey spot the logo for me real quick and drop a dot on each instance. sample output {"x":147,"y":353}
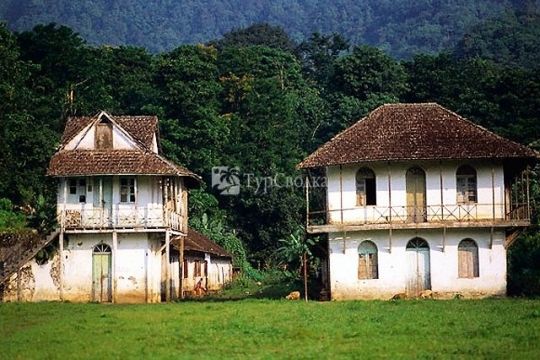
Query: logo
{"x":226,"y":180}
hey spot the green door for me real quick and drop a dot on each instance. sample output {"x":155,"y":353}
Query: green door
{"x":101,"y":273}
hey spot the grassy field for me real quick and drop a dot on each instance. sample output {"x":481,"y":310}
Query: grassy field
{"x":507,"y":328}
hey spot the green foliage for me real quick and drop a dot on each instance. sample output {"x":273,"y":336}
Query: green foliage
{"x":512,"y":39}
{"x":368,"y":70}
{"x":262,"y":34}
{"x":9,"y":218}
{"x":524,"y":266}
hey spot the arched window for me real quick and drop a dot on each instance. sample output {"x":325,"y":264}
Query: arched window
{"x":368,"y":267}
{"x":468,"y":259}
{"x":102,"y":249}
{"x":366,"y":192}
{"x":466,"y":185}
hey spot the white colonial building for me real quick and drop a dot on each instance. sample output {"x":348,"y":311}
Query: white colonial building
{"x":418,"y":198}
{"x":120,"y":202}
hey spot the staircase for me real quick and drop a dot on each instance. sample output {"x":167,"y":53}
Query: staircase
{"x":21,"y":253}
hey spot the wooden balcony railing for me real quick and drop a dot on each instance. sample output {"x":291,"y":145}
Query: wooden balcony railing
{"x":117,"y":217}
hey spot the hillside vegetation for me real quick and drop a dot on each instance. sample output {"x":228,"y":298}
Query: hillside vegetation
{"x":400,"y":27}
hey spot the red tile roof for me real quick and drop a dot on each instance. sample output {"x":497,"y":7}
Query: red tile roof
{"x":195,"y":241}
{"x":141,"y":128}
{"x":139,"y":161}
{"x":424,"y":131}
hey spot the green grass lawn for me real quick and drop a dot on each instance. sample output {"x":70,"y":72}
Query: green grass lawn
{"x":507,"y":328}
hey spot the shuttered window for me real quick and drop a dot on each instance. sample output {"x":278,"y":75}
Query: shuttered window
{"x":368,"y":267}
{"x":466,"y":185}
{"x":366,"y":192}
{"x":468,"y":266}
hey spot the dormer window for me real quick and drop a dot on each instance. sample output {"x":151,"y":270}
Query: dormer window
{"x":466,"y":185}
{"x":365,"y":187}
{"x":103,"y":138}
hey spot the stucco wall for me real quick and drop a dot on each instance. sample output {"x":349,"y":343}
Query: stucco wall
{"x":137,"y":269}
{"x":392,"y":265}
{"x":397,"y":171}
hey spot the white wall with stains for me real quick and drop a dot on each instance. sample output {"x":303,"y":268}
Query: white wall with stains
{"x":136,"y":270}
{"x":392,"y":263}
{"x":487,"y":194}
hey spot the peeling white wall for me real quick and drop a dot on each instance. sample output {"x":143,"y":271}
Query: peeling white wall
{"x":392,"y":266}
{"x":138,"y":270}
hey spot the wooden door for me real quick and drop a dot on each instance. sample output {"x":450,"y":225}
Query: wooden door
{"x":418,"y":267}
{"x":416,"y":195}
{"x":101,"y":273}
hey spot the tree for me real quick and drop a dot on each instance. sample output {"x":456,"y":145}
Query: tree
{"x":368,"y":71}
{"x":261,"y":34}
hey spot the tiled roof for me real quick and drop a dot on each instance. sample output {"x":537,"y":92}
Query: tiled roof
{"x":141,"y":128}
{"x":195,"y":241}
{"x":140,"y":160}
{"x":113,"y":162}
{"x":424,"y":131}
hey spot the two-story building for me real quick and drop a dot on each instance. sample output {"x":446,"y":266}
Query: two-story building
{"x":119,"y":204}
{"x":418,"y":198}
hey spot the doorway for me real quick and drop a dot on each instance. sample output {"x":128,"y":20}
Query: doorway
{"x":101,"y":273}
{"x":418,"y":267}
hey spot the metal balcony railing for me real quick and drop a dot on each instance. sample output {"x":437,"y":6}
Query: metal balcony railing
{"x":367,"y":215}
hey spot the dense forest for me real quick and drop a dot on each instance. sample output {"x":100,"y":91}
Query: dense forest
{"x":399,"y":27}
{"x":255,"y":99}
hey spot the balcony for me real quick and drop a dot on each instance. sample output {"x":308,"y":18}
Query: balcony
{"x":410,"y":217}
{"x":136,"y":218}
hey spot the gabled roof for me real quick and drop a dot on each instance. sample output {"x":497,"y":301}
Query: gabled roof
{"x":195,"y":241}
{"x":141,"y":160}
{"x":141,"y":128}
{"x":425,"y":131}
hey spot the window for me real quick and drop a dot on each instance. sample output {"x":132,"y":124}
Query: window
{"x":77,"y":187}
{"x":365,"y":187}
{"x":127,"y":190}
{"x":468,"y":259}
{"x":186,"y":269}
{"x":367,"y":261}
{"x":466,"y":184}
{"x":197,"y":271}
{"x":103,"y":137}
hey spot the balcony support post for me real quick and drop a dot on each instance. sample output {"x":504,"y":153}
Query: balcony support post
{"x":528,"y":192}
{"x":492,"y":192}
{"x":182,"y":241}
{"x":341,"y":192}
{"x":306,"y":185}
{"x":168,"y":266}
{"x":390,"y":240}
{"x":113,"y":264}
{"x":442,"y":194}
{"x":389,"y":194}
{"x":491,"y":238}
{"x":61,"y":263}
{"x":444,"y":239}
